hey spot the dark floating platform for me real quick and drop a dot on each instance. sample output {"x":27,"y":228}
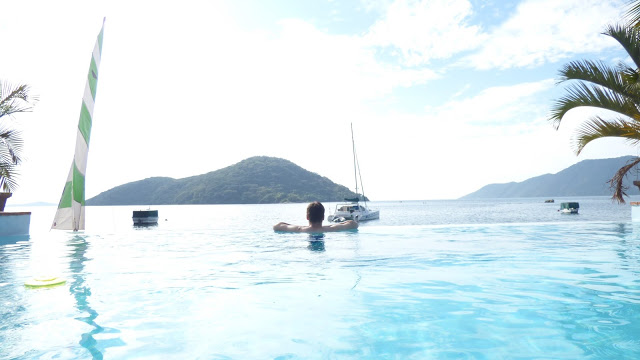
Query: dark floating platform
{"x":145,"y":217}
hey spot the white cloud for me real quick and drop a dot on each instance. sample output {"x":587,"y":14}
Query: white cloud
{"x":539,"y":32}
{"x":543,"y":31}
{"x":464,"y":89}
{"x":502,"y":105}
{"x":426,"y":30}
{"x":337,"y":69}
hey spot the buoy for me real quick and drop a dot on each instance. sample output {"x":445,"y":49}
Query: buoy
{"x":44,"y":281}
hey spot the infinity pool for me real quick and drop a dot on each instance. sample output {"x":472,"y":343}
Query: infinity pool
{"x":566,"y":290}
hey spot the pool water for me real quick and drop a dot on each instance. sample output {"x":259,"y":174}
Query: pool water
{"x":215,"y":282}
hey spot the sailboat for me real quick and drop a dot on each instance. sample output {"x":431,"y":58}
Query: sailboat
{"x":352,"y":209}
{"x":70,"y":213}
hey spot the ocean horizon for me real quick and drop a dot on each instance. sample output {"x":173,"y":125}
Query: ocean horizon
{"x":393,"y":213}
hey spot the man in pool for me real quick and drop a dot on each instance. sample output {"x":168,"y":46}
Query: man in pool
{"x":315,"y":215}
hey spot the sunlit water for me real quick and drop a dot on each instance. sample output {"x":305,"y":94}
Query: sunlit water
{"x":504,"y":279}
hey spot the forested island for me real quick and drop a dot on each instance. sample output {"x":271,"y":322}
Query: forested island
{"x":256,"y":180}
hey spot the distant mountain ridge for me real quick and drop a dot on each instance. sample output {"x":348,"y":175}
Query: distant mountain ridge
{"x":256,"y":180}
{"x":586,"y":178}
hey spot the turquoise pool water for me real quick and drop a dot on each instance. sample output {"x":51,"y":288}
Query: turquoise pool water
{"x":215,"y":282}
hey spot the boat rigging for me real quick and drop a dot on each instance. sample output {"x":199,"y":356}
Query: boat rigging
{"x":352,"y":209}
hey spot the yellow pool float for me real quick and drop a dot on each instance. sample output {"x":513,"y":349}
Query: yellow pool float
{"x":44,"y":281}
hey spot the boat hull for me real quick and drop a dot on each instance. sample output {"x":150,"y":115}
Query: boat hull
{"x":569,"y":211}
{"x":355,"y":215}
{"x":569,"y":207}
{"x":145,"y":217}
{"x":14,"y":223}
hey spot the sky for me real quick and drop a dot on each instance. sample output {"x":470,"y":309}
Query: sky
{"x":445,"y":96}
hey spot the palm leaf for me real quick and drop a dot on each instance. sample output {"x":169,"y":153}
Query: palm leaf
{"x":8,"y":177}
{"x":597,"y":128}
{"x":585,"y":94}
{"x":621,"y":79}
{"x":616,"y":183}
{"x":11,"y":145}
{"x":631,"y":79}
{"x":596,"y":72}
{"x":632,"y":15}
{"x":15,"y":99}
{"x":629,"y":38}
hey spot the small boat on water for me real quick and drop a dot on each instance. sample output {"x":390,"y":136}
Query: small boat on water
{"x":145,"y":217}
{"x":549,"y":201}
{"x":569,"y":207}
{"x":352,"y":209}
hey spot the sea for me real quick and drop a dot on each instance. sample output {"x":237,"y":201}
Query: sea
{"x":446,"y":279}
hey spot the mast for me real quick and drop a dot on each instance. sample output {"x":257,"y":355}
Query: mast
{"x":364,"y":197}
{"x":355,"y":173}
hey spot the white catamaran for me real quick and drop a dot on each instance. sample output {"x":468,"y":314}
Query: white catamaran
{"x":352,"y":209}
{"x":70,"y":214}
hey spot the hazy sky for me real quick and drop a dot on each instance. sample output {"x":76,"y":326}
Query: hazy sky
{"x":445,"y":96}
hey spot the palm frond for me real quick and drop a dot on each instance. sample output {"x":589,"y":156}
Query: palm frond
{"x":616,"y":182}
{"x":629,"y":38}
{"x":631,"y":80}
{"x":632,"y":15}
{"x":585,"y":94}
{"x":597,"y":128}
{"x":11,"y":145}
{"x":596,"y":72}
{"x":15,"y":99}
{"x":8,"y":177}
{"x":622,"y":79}
{"x":10,"y":149}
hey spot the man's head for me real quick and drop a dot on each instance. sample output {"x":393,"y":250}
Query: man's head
{"x":315,"y":212}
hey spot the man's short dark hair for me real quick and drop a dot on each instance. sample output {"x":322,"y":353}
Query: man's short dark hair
{"x":315,"y":212}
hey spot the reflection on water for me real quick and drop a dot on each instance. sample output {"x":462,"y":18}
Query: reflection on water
{"x":14,"y":253}
{"x":145,"y":226}
{"x":316,"y":242}
{"x":81,"y":292}
{"x":5,"y":240}
{"x":629,"y":252}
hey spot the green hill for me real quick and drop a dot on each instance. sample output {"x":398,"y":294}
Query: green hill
{"x":586,"y":178}
{"x":257,"y":180}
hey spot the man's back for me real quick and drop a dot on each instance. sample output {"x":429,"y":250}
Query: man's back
{"x":316,"y":228}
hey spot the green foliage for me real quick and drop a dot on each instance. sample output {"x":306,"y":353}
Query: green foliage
{"x":13,"y":100}
{"x":633,"y":13}
{"x":596,"y":84}
{"x":257,"y":180}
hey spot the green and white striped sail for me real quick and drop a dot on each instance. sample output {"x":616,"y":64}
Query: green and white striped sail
{"x":70,"y":214}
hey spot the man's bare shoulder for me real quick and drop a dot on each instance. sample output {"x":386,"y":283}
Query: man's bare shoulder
{"x":282,"y":226}
{"x":345,"y":225}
